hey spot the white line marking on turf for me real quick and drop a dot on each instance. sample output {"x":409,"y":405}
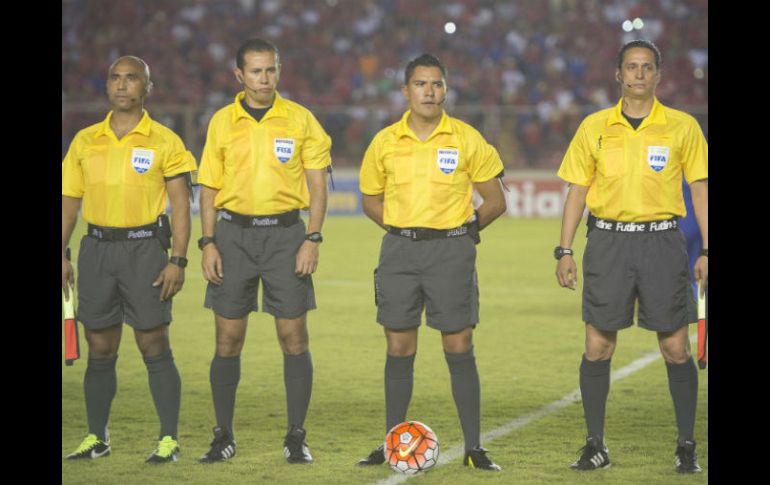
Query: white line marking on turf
{"x":459,"y":451}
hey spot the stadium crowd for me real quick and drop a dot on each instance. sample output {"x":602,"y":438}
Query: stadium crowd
{"x":524,"y":72}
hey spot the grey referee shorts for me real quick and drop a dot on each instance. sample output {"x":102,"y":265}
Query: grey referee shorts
{"x":115,"y":284}
{"x":437,"y":275}
{"x":620,"y":269}
{"x":254,"y":254}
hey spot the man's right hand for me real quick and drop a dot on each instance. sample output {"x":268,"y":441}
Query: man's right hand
{"x":212,"y":264}
{"x":67,"y":277}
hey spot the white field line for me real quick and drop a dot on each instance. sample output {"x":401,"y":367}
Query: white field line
{"x":458,"y":451}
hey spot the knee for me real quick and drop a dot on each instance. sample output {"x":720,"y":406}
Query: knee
{"x":457,"y":347}
{"x":401,"y":348}
{"x":229,"y":345}
{"x":101,"y":353}
{"x":675,"y":355}
{"x":101,"y":348}
{"x":293,"y":344}
{"x":154,"y":347}
{"x":599,"y":350}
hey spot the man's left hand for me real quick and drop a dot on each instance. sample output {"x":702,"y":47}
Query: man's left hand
{"x":701,"y":271}
{"x":307,"y":259}
{"x":171,"y":279}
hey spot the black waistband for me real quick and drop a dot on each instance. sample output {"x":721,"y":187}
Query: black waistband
{"x":122,"y":233}
{"x":286,"y":219}
{"x":424,"y":233}
{"x":633,"y":227}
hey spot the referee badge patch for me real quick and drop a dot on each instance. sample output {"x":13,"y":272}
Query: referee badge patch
{"x":657,"y":157}
{"x":447,"y":159}
{"x":284,"y":149}
{"x":141,"y":159}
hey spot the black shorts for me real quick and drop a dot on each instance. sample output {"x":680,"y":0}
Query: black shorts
{"x":251,"y":254}
{"x":621,"y":269}
{"x":435,"y":275}
{"x":114,"y":282}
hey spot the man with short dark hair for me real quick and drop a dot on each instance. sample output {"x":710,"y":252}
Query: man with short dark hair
{"x":626,"y":163}
{"x":417,"y":181}
{"x":121,"y":170}
{"x":263,"y":161}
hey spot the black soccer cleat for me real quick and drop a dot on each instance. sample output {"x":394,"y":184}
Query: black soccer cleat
{"x":295,"y":448}
{"x":686,"y":459}
{"x":90,"y":448}
{"x":592,"y":456}
{"x":477,"y":458}
{"x":376,"y":457}
{"x":222,"y":447}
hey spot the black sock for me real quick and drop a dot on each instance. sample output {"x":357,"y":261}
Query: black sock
{"x":466,"y":391}
{"x":99,"y":386}
{"x":594,"y":388}
{"x":399,"y":378}
{"x":224,"y":376}
{"x":166,"y":390}
{"x":683,"y":384}
{"x":298,"y":379}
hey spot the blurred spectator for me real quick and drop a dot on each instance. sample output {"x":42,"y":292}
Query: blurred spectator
{"x":525,"y":69}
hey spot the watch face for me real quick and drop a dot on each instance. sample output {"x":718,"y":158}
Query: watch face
{"x":314,"y":237}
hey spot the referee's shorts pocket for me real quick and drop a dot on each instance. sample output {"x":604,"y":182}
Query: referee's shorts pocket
{"x":376,"y":289}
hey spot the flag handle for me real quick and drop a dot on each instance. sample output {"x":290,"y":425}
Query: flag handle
{"x":702,"y":330}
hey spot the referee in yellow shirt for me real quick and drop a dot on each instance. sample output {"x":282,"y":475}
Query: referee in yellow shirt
{"x":626,"y":163}
{"x":263,"y":161}
{"x":417,"y":181}
{"x":121,"y":170}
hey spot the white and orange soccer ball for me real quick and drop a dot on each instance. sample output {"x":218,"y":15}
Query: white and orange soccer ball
{"x":411,"y":447}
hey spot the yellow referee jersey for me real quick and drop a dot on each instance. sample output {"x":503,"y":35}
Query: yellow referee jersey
{"x":428,"y":184}
{"x":636,"y":175}
{"x":259,"y":166}
{"x":122,"y":182}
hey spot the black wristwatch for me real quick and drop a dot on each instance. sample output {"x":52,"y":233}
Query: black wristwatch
{"x":205,"y":240}
{"x":704,"y":252}
{"x":315,"y":237}
{"x":559,"y":251}
{"x":180,"y":261}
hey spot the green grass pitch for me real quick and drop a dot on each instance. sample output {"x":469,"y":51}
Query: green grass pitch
{"x":528,"y":347}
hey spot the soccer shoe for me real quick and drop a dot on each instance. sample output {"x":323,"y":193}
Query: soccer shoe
{"x":477,"y":458}
{"x":167,"y":450}
{"x":222,"y":447}
{"x":376,"y":457}
{"x":91,"y":447}
{"x":295,"y":448}
{"x":686,"y":460}
{"x":592,"y":456}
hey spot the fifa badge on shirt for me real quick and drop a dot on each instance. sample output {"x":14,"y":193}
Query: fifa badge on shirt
{"x":447,"y":159}
{"x":657,"y":157}
{"x":141,"y":159}
{"x":284,"y":149}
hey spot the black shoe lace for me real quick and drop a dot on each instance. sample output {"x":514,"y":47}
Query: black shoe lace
{"x":294,"y":444}
{"x":687,"y":456}
{"x":480,"y":456}
{"x":587,"y":452}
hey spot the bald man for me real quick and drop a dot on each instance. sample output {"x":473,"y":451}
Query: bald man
{"x":120,"y":172}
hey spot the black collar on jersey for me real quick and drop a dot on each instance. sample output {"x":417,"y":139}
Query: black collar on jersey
{"x":635,"y":122}
{"x":256,"y":113}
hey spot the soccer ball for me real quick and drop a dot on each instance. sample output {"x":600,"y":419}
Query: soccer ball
{"x":411,"y":447}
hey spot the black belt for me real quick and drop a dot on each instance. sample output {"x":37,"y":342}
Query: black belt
{"x":424,"y":233}
{"x":286,"y":219}
{"x":122,"y":233}
{"x":633,"y":227}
